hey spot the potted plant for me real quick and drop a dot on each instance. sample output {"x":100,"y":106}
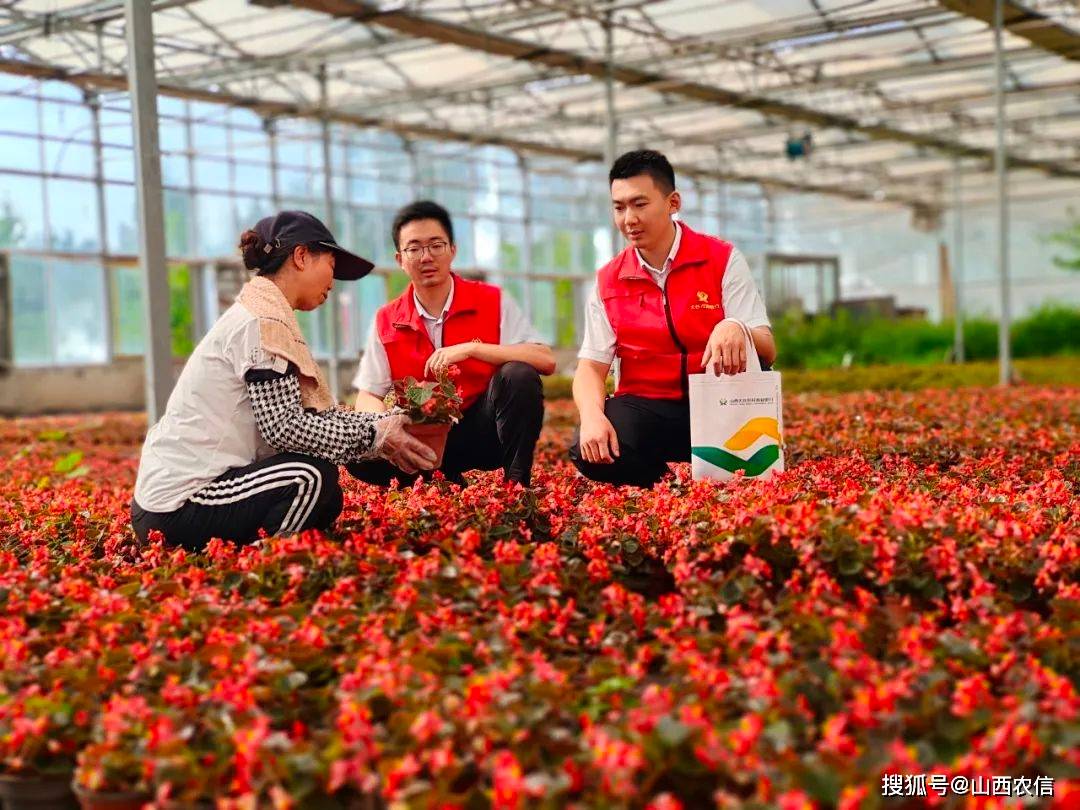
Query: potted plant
{"x":431,"y":406}
{"x":39,"y":733}
{"x":111,"y":773}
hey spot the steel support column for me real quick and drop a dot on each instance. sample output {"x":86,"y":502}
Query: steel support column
{"x":328,"y":206}
{"x":93,"y":101}
{"x":409,"y":147}
{"x":270,"y":128}
{"x":1004,"y":354}
{"x":527,"y":227}
{"x":143,"y":84}
{"x":611,"y":143}
{"x":958,"y":263}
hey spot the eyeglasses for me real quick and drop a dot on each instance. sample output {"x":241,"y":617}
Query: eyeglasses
{"x":435,"y":250}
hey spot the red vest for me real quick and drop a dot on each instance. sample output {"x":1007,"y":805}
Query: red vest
{"x":475,"y":313}
{"x":660,"y":336}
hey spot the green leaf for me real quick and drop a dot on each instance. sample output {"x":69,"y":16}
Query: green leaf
{"x":69,"y":462}
{"x":672,"y":732}
{"x":616,"y":683}
{"x":779,"y":734}
{"x":129,"y":588}
{"x":52,"y":435}
{"x":849,"y":564}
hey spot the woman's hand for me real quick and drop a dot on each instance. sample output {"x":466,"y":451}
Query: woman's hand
{"x":447,"y":356}
{"x":400,"y":448}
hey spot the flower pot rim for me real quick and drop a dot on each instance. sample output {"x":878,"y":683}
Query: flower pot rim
{"x":109,"y":795}
{"x":446,"y":425}
{"x":30,"y":776}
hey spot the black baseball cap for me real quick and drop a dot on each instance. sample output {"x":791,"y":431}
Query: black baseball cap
{"x":288,"y":229}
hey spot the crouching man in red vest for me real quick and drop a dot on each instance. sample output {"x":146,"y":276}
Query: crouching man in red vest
{"x":476,"y":327}
{"x":665,"y":308}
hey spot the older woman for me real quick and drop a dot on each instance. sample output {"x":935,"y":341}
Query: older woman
{"x":251,"y":438}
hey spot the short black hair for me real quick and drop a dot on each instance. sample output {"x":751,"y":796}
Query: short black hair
{"x":422,"y":209}
{"x":644,"y":161}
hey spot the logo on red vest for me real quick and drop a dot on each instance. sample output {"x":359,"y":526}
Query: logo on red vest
{"x":703,"y":301}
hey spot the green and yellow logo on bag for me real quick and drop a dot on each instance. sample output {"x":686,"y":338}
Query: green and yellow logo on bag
{"x":757,"y":428}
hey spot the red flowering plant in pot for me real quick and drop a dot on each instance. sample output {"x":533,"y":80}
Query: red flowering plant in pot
{"x":48,"y":692}
{"x":114,"y":771}
{"x":37,"y":737}
{"x":432,"y":406}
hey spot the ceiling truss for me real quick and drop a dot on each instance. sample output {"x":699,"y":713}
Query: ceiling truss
{"x":720,"y":101}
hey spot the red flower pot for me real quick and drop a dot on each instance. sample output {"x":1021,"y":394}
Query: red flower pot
{"x":434,"y":436}
{"x":120,"y":800}
{"x":35,"y":793}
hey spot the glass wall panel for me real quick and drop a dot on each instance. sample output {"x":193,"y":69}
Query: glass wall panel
{"x":19,"y":114}
{"x":219,"y":175}
{"x":127,"y":303}
{"x":128,"y":333}
{"x":175,"y":170}
{"x":253,"y":178}
{"x":66,"y":120}
{"x":210,"y":140}
{"x":116,"y":125}
{"x":30,"y":311}
{"x":69,"y":157}
{"x":217,"y":233}
{"x":121,"y":216}
{"x":249,"y":211}
{"x":78,"y":311}
{"x":251,"y":146}
{"x":119,"y":164}
{"x":20,"y":152}
{"x":73,"y":216}
{"x":543,"y":309}
{"x":211,"y":173}
{"x":370,"y":295}
{"x":172,"y":133}
{"x":178,"y":223}
{"x":22,"y":211}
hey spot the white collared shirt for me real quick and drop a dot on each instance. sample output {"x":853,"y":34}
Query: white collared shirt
{"x":660,"y":276}
{"x":741,"y":301}
{"x":373,"y":374}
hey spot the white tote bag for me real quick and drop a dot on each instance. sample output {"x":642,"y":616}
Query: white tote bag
{"x":736,"y":421}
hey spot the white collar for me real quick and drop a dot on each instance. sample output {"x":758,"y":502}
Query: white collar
{"x":446,"y":307}
{"x":671,"y":253}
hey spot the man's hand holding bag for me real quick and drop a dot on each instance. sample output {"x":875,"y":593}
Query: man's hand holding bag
{"x":736,"y":420}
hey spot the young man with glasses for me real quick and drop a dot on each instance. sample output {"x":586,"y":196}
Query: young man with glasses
{"x":478,"y":329}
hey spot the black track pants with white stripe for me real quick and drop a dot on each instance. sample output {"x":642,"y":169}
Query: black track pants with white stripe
{"x":285,"y":493}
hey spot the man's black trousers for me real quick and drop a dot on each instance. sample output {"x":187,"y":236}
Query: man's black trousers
{"x":651,"y":433}
{"x":289,"y":492}
{"x":498,"y":430}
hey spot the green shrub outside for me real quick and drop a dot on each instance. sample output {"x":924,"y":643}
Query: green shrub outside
{"x":824,"y":342}
{"x":1062,"y":370}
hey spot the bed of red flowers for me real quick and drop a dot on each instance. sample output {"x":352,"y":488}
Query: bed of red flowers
{"x":905,"y":599}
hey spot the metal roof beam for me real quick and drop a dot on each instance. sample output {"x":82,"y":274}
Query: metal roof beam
{"x":538,"y":14}
{"x":1039,"y":29}
{"x":940,"y":104}
{"x":427,"y":27}
{"x":271,"y":109}
{"x":512,"y":86}
{"x":80,"y":18}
